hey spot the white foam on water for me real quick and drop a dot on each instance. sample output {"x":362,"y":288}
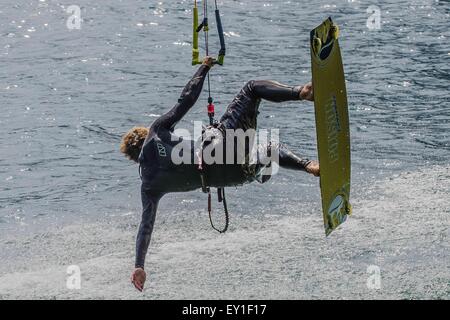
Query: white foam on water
{"x":402,"y":229}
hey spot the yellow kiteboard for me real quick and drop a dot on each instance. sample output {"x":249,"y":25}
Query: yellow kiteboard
{"x":332,"y":127}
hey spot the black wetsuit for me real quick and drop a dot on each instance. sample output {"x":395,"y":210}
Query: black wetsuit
{"x":160,"y":175}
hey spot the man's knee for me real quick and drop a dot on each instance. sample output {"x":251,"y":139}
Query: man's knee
{"x":250,"y":85}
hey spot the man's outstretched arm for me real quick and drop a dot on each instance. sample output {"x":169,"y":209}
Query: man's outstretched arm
{"x":187,"y":99}
{"x":149,"y":205}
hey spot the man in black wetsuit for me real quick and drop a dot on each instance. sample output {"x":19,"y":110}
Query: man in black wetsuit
{"x":152,"y":148}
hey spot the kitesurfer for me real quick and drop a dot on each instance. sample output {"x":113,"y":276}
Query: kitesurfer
{"x":152,"y":148}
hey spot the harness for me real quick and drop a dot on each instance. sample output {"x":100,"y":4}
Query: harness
{"x":210,"y":108}
{"x":207,"y":189}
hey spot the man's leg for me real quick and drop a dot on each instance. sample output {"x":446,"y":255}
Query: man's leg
{"x":243,"y":110}
{"x":287,"y":159}
{"x":277,"y":92}
{"x":242,"y":114}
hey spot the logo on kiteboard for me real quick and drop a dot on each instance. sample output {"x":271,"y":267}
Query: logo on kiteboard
{"x":337,"y":211}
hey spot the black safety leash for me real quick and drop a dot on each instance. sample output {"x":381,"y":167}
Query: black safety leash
{"x":221,"y":196}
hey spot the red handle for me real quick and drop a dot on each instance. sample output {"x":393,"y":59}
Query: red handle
{"x":210,"y":108}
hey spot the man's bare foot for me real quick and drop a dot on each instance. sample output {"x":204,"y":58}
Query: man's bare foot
{"x":307,"y":92}
{"x":138,"y":278}
{"x":313,"y":168}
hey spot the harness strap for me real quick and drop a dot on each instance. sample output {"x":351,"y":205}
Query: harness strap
{"x":206,"y":189}
{"x":220,"y":198}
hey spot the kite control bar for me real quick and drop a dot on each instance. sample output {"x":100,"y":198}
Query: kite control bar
{"x":205,"y":27}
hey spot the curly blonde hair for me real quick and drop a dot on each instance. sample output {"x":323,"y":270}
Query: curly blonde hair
{"x":132,"y":142}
